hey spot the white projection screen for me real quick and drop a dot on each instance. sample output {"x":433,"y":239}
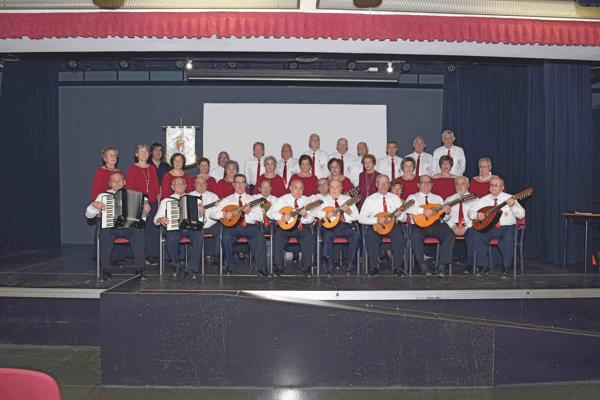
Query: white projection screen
{"x":234,"y":127}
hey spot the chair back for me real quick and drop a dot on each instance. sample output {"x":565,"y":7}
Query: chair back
{"x":23,"y":384}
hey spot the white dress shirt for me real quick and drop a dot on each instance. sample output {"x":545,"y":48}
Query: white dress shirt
{"x":509,"y":214}
{"x":321,"y":159}
{"x":217,"y":172}
{"x":93,"y":212}
{"x":251,"y":167}
{"x":458,"y":156}
{"x":352,"y":166}
{"x":288,"y":201}
{"x":419,"y":199}
{"x":207,"y":198}
{"x":373,"y":205}
{"x":452,"y":218}
{"x":162,"y":207}
{"x":329,"y":201}
{"x":270,"y":198}
{"x":292,"y":168}
{"x":254,"y":216}
{"x":384,"y":166}
{"x":425,"y":165}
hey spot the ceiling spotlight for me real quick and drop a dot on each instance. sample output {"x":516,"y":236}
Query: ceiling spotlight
{"x":451,"y":68}
{"x":72,"y":64}
{"x":390,"y":67}
{"x":189,"y":64}
{"x":351,"y":66}
{"x":406,"y":67}
{"x":232,"y":64}
{"x":124,"y":64}
{"x":293,"y":65}
{"x":180,"y":64}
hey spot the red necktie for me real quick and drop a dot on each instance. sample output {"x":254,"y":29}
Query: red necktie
{"x":258,"y":170}
{"x":461,"y":215}
{"x":426,"y":200}
{"x":384,"y":205}
{"x":498,"y":223}
{"x":448,"y":152}
{"x":299,"y":216}
{"x":418,"y":166}
{"x":393,"y":170}
{"x":313,"y":165}
{"x":342,"y":164}
{"x":337,"y":205}
{"x":243,"y":216}
{"x":285,"y":171}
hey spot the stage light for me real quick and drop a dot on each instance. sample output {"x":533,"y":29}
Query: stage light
{"x":406,"y":67}
{"x":293,"y":65}
{"x":72,"y":64}
{"x":351,"y":66}
{"x":189,"y":65}
{"x":124,"y":64}
{"x":232,"y":65}
{"x":451,"y":68}
{"x":390,"y":67}
{"x":180,"y":64}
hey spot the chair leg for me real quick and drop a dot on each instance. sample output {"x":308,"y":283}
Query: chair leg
{"x":221,"y":254}
{"x":161,"y":254}
{"x":97,"y":258}
{"x":491,"y":261}
{"x":202,"y":256}
{"x":318,"y":252}
{"x":437,"y":256}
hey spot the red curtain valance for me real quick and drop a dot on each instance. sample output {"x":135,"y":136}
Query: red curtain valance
{"x":298,"y":25}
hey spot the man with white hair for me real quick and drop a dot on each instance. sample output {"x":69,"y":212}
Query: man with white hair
{"x":424,"y":161}
{"x":449,"y":149}
{"x":458,"y":220}
{"x":351,"y":166}
{"x":287,"y":165}
{"x":319,"y":157}
{"x":390,"y":164}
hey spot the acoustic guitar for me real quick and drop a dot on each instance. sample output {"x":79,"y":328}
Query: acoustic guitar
{"x":492,"y":214}
{"x":390,"y":218}
{"x":238,"y":212}
{"x":335,"y":219}
{"x":438,"y":210}
{"x":293,"y":213}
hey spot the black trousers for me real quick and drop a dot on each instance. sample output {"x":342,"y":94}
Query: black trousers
{"x":343,"y":230}
{"x":152,"y":233}
{"x":211,"y":245}
{"x":256,"y":240}
{"x":305,"y":239}
{"x":194,"y":251}
{"x":506,"y":242}
{"x":136,"y":240}
{"x":438,"y":230}
{"x":373,"y":242}
{"x":469,"y":247}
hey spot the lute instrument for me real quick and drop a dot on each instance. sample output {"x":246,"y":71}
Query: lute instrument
{"x":390,"y":218}
{"x":330,"y":223}
{"x":294,"y":214}
{"x":238,"y":212}
{"x":438,"y":210}
{"x":492,"y":214}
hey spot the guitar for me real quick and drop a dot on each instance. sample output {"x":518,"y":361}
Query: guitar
{"x":438,"y":209}
{"x":238,"y":212}
{"x":335,"y":219}
{"x":390,"y":219}
{"x":206,"y":207}
{"x":492,"y":214}
{"x":293,"y":213}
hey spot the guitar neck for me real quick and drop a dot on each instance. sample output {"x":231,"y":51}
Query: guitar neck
{"x":210,"y":205}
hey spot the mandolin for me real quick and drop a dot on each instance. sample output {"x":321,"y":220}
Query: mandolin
{"x":335,"y":219}
{"x":238,"y":212}
{"x":492,"y":214}
{"x":386,"y":228}
{"x":438,"y":210}
{"x":293,"y":213}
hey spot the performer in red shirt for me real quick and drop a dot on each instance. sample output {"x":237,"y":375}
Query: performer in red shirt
{"x":177,"y":164}
{"x":335,"y":170}
{"x":277,"y":182}
{"x":204,"y":171}
{"x":409,"y":179}
{"x":367,"y":179}
{"x":100,"y":183}
{"x":225,"y":186}
{"x":480,"y":185}
{"x":443,"y":182}
{"x":305,"y":175}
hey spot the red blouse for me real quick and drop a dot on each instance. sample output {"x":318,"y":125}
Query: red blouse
{"x":410,"y":186}
{"x":101,"y":181}
{"x":479,"y":189}
{"x":137,"y":178}
{"x":224,"y":188}
{"x":367,"y":184}
{"x":277,"y":185}
{"x":310,"y":184}
{"x":212,"y":184}
{"x":167,"y":181}
{"x":346,"y":185}
{"x":443,"y":187}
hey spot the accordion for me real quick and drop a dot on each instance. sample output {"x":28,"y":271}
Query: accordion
{"x":124,"y":209}
{"x":183,"y":214}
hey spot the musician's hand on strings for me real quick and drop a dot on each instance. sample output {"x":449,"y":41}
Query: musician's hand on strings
{"x":329,"y":215}
{"x":511,"y":202}
{"x":480,"y":216}
{"x":428,"y":212}
{"x":382,"y":220}
{"x":247,"y":209}
{"x":147,"y":208}
{"x":228,"y":215}
{"x":286,"y":218}
{"x":98,"y":205}
{"x":303,"y":212}
{"x":345,"y":208}
{"x":446,"y":210}
{"x":164,"y":221}
{"x":201,"y":210}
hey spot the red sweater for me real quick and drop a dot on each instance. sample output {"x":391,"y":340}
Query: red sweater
{"x":101,"y":181}
{"x":410,"y":187}
{"x":167,"y":181}
{"x":479,"y":189}
{"x":277,"y":185}
{"x":212,"y":184}
{"x":443,"y":187}
{"x":310,"y":184}
{"x":136,"y":180}
{"x":224,"y":189}
{"x":367,"y":190}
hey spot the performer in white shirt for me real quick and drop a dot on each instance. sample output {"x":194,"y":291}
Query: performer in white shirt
{"x":458,"y":220}
{"x":265,"y":193}
{"x":390,"y":164}
{"x":362,"y":148}
{"x":438,"y":229}
{"x":319,"y":157}
{"x":449,"y":149}
{"x":173,"y":237}
{"x":323,"y":188}
{"x":218,"y":172}
{"x":351,"y":166}
{"x":211,"y":225}
{"x":302,"y":231}
{"x":287,"y":165}
{"x":378,"y":202}
{"x":344,"y":229}
{"x":248,"y":227}
{"x":107,"y":236}
{"x":423,"y":161}
{"x":504,"y":230}
{"x":254,"y":166}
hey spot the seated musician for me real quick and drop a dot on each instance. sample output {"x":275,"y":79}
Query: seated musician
{"x":301,"y":231}
{"x":178,"y":185}
{"x":344,"y":229}
{"x":437,"y":230}
{"x":211,"y":225}
{"x":107,"y":236}
{"x":265,"y":193}
{"x":248,"y":227}
{"x":504,"y":230}
{"x":458,"y":220}
{"x":378,"y":202}
{"x":322,"y":190}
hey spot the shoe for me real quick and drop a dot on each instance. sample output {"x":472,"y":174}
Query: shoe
{"x":485,"y":271}
{"x":277,"y":272}
{"x":428,"y":274}
{"x":468,"y":270}
{"x":151,"y":261}
{"x":441,"y":274}
{"x":504,"y":275}
{"x":373,"y":272}
{"x":105,"y":276}
{"x":349,"y":271}
{"x":307,"y":272}
{"x":263,"y":274}
{"x":194,"y":277}
{"x":141,"y":274}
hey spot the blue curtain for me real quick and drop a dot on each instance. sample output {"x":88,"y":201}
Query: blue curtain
{"x":29,"y":205}
{"x":534,"y":122}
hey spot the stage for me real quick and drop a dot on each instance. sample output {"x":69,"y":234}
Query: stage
{"x":242,"y":330}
